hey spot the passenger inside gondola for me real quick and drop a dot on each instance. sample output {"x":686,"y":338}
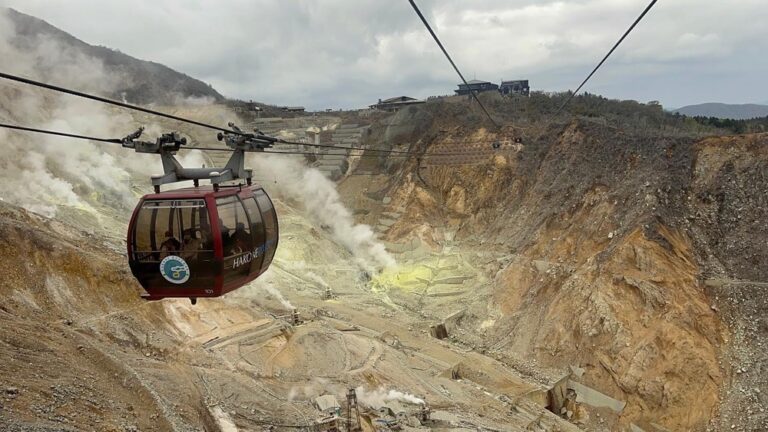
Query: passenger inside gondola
{"x":241,"y":240}
{"x":225,"y":237}
{"x":192,"y":245}
{"x":169,"y":246}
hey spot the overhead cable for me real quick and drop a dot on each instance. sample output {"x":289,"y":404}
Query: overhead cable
{"x":343,"y":148}
{"x":63,"y":134}
{"x":379,"y":152}
{"x":363,"y":155}
{"x":616,"y":45}
{"x":153,"y":112}
{"x":440,"y":44}
{"x":112,"y":102}
{"x":234,"y":131}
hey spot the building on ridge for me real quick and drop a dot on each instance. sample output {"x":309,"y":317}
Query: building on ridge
{"x":395,"y":103}
{"x":476,"y":86}
{"x":515,"y":87}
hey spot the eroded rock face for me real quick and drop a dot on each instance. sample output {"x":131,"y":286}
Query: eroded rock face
{"x":642,"y":329}
{"x":53,"y":281}
{"x":728,"y":213}
{"x":729,"y":204}
{"x":610,"y":240}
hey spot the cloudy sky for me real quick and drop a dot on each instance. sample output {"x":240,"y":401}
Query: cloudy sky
{"x":349,"y":53}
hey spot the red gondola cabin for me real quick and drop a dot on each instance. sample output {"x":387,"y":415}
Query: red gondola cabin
{"x":199,"y":242}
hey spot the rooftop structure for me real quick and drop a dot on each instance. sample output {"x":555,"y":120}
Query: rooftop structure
{"x":476,"y":86}
{"x":328,"y":404}
{"x":515,"y":87}
{"x":395,"y":103}
{"x":292,"y":108}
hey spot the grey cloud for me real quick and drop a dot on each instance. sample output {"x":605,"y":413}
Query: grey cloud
{"x":344,"y":53}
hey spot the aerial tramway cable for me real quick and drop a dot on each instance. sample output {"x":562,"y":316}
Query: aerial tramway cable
{"x":181,"y":119}
{"x":405,"y":152}
{"x":456,"y":68}
{"x":63,"y":134}
{"x":616,"y":45}
{"x":111,"y":102}
{"x":398,"y":153}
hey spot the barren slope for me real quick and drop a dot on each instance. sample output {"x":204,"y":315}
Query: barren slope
{"x":599,"y":248}
{"x":81,"y":351}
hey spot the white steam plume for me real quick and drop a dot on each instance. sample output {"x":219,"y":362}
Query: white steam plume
{"x":316,"y":278}
{"x":379,"y":397}
{"x":180,"y":100}
{"x":270,"y":288}
{"x":42,"y":172}
{"x":316,"y":387}
{"x":297,"y":181}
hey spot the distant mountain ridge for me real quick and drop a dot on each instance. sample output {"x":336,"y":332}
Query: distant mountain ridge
{"x":141,"y":81}
{"x":725,"y":111}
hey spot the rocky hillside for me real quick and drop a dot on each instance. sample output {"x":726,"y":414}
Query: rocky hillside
{"x":139,"y":81}
{"x":629,"y":254}
{"x":57,"y":372}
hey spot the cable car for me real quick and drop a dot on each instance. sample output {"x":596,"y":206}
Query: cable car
{"x":201,"y":241}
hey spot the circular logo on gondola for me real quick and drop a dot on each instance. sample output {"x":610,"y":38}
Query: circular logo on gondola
{"x":174,"y":269}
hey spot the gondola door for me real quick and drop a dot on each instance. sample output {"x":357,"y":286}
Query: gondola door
{"x":236,"y":241}
{"x":173,"y":248}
